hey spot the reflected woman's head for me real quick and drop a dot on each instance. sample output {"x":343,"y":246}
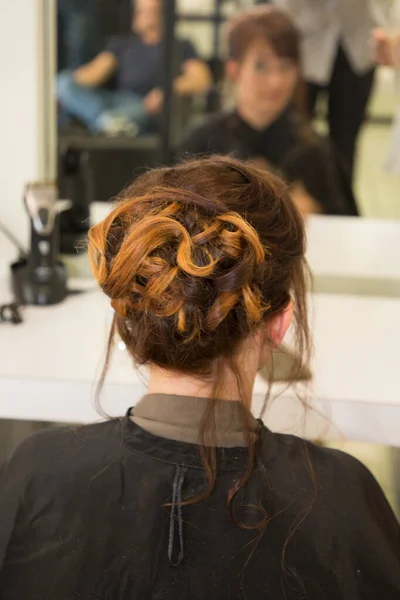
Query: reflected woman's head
{"x":198,"y":259}
{"x":264,"y":60}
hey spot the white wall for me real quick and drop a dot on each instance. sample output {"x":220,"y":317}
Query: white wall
{"x":201,"y":34}
{"x":20,"y":98}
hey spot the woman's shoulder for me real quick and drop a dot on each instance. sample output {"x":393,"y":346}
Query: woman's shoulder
{"x":344,"y":507}
{"x":326,"y":461}
{"x":53,"y":452}
{"x":339,"y":479}
{"x":308,"y":139}
{"x":208,"y":135}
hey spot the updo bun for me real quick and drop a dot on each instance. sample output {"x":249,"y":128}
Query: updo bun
{"x":194,"y":257}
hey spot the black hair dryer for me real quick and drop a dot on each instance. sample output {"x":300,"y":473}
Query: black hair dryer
{"x":41,"y":278}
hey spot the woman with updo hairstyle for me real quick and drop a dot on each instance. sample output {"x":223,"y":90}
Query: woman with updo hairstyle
{"x":189,"y":495}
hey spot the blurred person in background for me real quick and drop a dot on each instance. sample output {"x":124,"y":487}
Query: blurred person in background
{"x":338,"y":61}
{"x":386,"y":44}
{"x":189,"y":496}
{"x":136,"y":63}
{"x":269,"y":122}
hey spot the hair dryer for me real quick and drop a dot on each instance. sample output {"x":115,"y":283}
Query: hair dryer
{"x":41,"y":278}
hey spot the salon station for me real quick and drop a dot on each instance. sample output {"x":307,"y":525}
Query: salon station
{"x":52,"y":359}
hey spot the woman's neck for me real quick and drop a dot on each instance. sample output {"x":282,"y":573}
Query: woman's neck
{"x":223,"y":378}
{"x":178,"y":384}
{"x":254,"y":119}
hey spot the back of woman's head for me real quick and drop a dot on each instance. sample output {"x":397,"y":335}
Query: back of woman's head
{"x":196,"y":257}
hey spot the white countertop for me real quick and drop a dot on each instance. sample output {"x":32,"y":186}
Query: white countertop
{"x":353,"y":247}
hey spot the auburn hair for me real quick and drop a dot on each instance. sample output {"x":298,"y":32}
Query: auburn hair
{"x":194,"y":258}
{"x":263,"y":23}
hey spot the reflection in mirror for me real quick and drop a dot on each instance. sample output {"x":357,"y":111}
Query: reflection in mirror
{"x":110,"y":101}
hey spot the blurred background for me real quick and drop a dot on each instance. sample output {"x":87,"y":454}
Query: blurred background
{"x":96,"y":92}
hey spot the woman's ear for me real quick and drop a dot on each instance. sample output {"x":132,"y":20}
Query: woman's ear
{"x":232,"y":69}
{"x":280,"y":324}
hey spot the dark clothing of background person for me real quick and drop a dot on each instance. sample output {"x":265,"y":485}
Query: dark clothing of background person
{"x":84,"y":514}
{"x":309,"y":160}
{"x":140,"y":65}
{"x":348,"y":97}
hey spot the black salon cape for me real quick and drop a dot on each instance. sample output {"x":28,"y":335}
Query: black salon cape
{"x":313,"y":162}
{"x":83,"y":515}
